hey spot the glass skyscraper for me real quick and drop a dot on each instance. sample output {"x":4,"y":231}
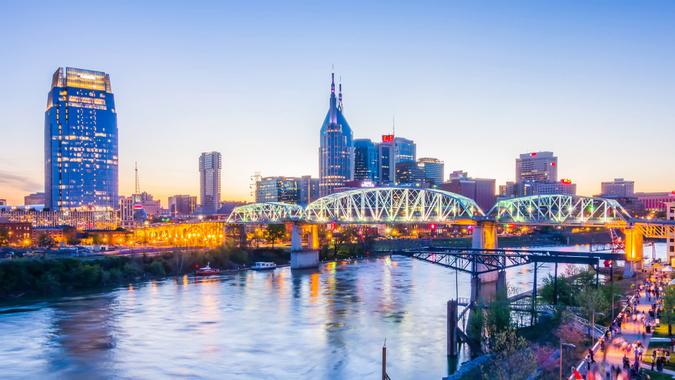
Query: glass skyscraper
{"x":81,"y":158}
{"x":336,"y":149}
{"x":365,"y":160}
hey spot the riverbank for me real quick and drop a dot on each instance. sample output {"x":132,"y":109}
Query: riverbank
{"x":50,"y":276}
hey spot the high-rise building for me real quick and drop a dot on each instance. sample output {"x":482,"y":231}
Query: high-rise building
{"x":386,"y":160}
{"x":365,"y":160}
{"x":409,"y":174}
{"x":209,"y":181}
{"x":81,"y":153}
{"x":182,"y":205}
{"x":433,"y":169}
{"x":405,"y":150}
{"x":481,"y":190}
{"x":277,"y":189}
{"x":537,"y":166}
{"x":336,"y":149}
{"x":619,"y":188}
{"x":655,"y":201}
{"x":309,"y":189}
{"x":34,"y":199}
{"x":564,"y":186}
{"x":126,"y":211}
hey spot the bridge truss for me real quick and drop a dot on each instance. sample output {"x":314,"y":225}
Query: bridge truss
{"x":266,"y":213}
{"x":392,"y":205}
{"x":569,"y":210}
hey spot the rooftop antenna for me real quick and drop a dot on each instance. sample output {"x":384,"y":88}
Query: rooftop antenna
{"x":340,"y":94}
{"x":137,"y":188}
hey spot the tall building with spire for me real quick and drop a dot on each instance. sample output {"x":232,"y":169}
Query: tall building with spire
{"x":336,"y":149}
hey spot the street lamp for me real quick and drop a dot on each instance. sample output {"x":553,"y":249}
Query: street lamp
{"x":565,"y":345}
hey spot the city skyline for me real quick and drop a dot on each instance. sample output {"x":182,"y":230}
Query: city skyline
{"x":589,"y":102}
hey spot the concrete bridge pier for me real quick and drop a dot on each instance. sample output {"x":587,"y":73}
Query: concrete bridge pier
{"x":484,"y":292}
{"x":485,"y":237}
{"x":301,"y":259}
{"x":634,"y":249}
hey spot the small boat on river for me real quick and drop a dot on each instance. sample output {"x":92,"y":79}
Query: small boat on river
{"x":207,"y":271}
{"x":263,"y":265}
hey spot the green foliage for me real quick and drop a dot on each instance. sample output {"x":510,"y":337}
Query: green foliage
{"x":275,"y":232}
{"x":4,"y":236}
{"x":566,"y":291}
{"x":475,"y":324}
{"x":45,"y":241}
{"x":513,"y":358}
{"x":669,"y":305}
{"x":498,"y":315}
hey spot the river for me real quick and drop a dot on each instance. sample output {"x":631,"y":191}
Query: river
{"x":325,"y":324}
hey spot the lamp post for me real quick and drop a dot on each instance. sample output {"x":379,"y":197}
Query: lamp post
{"x":565,"y":345}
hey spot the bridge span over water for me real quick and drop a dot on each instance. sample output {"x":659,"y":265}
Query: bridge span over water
{"x":401,"y":205}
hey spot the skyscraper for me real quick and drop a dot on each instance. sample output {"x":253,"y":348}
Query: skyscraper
{"x":386,"y":160}
{"x":209,"y":181}
{"x":81,"y":157}
{"x":433,"y":170}
{"x":537,"y":166}
{"x":405,"y":150}
{"x":336,"y":149}
{"x":365,"y":160}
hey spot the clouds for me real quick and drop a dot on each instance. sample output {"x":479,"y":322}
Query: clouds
{"x":16,"y":182}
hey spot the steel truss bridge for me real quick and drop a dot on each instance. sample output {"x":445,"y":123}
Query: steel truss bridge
{"x":401,"y":205}
{"x":482,"y":261}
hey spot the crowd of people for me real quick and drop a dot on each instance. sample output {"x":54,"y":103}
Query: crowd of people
{"x":626,"y":335}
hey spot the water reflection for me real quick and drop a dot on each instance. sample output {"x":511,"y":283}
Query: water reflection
{"x":325,"y":324}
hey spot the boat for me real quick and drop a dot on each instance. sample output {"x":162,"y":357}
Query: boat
{"x":207,"y":271}
{"x":263,"y":265}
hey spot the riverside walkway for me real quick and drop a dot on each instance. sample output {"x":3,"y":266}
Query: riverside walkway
{"x":610,"y":361}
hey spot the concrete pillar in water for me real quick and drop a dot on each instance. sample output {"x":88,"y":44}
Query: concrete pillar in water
{"x":301,"y":259}
{"x":296,"y":238}
{"x":242,"y":236}
{"x":485,"y":237}
{"x":634,"y":249}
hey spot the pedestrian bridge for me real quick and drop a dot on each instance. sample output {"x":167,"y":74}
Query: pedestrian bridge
{"x":383,"y":205}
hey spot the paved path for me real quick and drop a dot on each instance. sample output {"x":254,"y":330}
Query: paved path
{"x":631,"y":333}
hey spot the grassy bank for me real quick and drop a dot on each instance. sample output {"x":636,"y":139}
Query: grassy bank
{"x":58,"y":276}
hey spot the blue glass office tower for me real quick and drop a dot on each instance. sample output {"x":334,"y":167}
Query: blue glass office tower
{"x":365,"y":160}
{"x":81,"y":162}
{"x":336,"y":149}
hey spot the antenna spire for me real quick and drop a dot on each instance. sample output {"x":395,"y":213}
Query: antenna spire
{"x":340,"y":94}
{"x":332,"y":81}
{"x":137,"y":188}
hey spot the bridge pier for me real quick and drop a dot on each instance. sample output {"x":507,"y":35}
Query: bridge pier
{"x":301,"y":259}
{"x":634,"y":249}
{"x":485,"y":237}
{"x":313,"y":241}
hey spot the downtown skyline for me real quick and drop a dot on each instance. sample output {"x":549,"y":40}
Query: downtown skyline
{"x":463,"y":96}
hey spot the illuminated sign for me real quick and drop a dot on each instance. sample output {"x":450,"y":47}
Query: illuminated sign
{"x":566,"y":181}
{"x":553,"y":163}
{"x":387,"y":138}
{"x":533,"y":154}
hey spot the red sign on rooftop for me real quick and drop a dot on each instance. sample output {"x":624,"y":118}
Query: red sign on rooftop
{"x":387,"y":138}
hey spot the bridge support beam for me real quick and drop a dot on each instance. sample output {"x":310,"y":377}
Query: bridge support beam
{"x":634,"y":249}
{"x":313,"y":241}
{"x":485,"y":237}
{"x":301,"y":259}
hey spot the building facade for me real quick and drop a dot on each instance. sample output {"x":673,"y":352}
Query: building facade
{"x":309,"y":189}
{"x":126,"y":211}
{"x":670,"y":241}
{"x":537,"y":166}
{"x":365,"y":160}
{"x":182,"y":205}
{"x":619,"y":188}
{"x":336,"y":147}
{"x":408,"y":173}
{"x":481,"y":190}
{"x":655,"y":201}
{"x":81,"y":143}
{"x":277,"y":189}
{"x":433,"y":169}
{"x":210,"y":164}
{"x":34,"y":199}
{"x":386,"y":160}
{"x":405,"y":150}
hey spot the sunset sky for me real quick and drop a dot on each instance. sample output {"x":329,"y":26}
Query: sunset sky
{"x":473,"y":83}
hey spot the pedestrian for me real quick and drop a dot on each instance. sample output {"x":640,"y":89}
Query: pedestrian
{"x":667,"y":356}
{"x":590,"y":355}
{"x":653,"y":359}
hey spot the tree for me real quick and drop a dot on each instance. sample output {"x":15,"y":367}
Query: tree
{"x":591,"y":301}
{"x":45,"y":240}
{"x":513,"y":358}
{"x":275,"y":232}
{"x":565,"y":291}
{"x":4,"y":236}
{"x":347,"y":235}
{"x":475,"y":325}
{"x":668,"y":305}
